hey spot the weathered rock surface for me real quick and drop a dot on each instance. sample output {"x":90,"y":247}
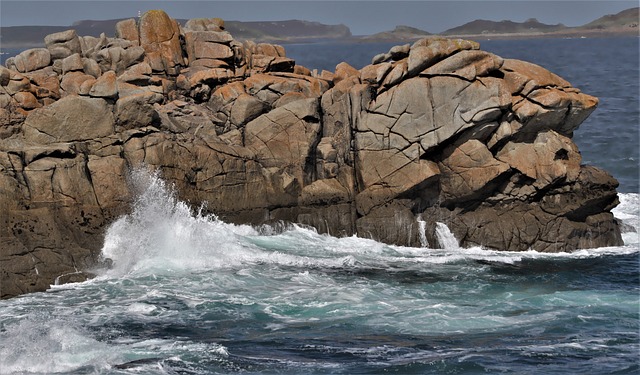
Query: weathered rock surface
{"x":437,"y":131}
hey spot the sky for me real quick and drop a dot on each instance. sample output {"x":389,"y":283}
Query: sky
{"x":363,"y":17}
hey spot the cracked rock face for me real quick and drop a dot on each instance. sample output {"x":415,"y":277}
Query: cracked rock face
{"x":437,"y":131}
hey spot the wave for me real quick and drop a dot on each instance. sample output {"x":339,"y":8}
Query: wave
{"x":162,"y":234}
{"x":44,"y":345}
{"x":184,"y":284}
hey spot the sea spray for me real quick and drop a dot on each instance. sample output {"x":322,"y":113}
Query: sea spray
{"x":44,"y":344}
{"x":628,"y":212}
{"x":422,"y":231}
{"x":162,"y":232}
{"x":446,"y":239}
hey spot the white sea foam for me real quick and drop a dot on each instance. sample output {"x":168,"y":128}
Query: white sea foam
{"x":162,"y":234}
{"x":42,"y":345}
{"x":446,"y":239}
{"x":628,"y":211}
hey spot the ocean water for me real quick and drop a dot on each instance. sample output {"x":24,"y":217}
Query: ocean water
{"x":189,"y":294}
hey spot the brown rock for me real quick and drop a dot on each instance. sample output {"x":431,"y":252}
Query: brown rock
{"x":466,"y":171}
{"x":205,"y":24}
{"x":285,"y":136}
{"x":324,"y":192}
{"x":160,"y":38}
{"x":71,"y":82}
{"x":398,"y":53}
{"x":72,"y":118}
{"x":26,"y":100}
{"x":91,"y":45}
{"x":543,"y":101}
{"x":549,"y":159}
{"x":32,"y":59}
{"x":136,"y":111}
{"x":210,"y":63}
{"x":376,"y":226}
{"x":467,"y":64}
{"x":46,"y":80}
{"x":63,"y":44}
{"x":91,"y":67}
{"x":264,"y":63}
{"x":105,"y":86}
{"x":72,"y":63}
{"x":5,"y":76}
{"x":345,"y":71}
{"x":374,"y":74}
{"x":301,"y":70}
{"x":382,"y":182}
{"x":109,"y":177}
{"x":210,"y":77}
{"x":138,"y":74}
{"x":86,"y":86}
{"x":246,"y":108}
{"x":429,"y":51}
{"x":207,"y":50}
{"x":128,"y":29}
{"x":441,"y":132}
{"x":194,"y":40}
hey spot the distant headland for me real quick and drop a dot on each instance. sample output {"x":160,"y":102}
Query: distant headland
{"x":624,"y":23}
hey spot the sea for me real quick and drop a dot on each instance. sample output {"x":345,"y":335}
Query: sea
{"x":191,"y":294}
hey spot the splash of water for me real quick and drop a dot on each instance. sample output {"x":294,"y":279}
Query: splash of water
{"x":422,"y":231}
{"x":628,"y":212}
{"x":162,"y":234}
{"x":44,"y":345}
{"x":446,"y":239}
{"x":162,"y":231}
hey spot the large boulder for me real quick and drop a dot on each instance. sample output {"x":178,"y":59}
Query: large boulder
{"x":128,"y":30}
{"x":63,"y":44}
{"x":160,"y":38}
{"x":32,"y":59}
{"x":70,"y":119}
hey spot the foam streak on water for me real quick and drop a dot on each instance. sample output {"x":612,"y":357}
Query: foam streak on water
{"x":191,"y":294}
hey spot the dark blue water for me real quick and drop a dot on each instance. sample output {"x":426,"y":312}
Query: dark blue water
{"x":193,"y":295}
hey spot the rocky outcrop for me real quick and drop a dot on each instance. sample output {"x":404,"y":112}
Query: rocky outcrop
{"x":437,"y":131}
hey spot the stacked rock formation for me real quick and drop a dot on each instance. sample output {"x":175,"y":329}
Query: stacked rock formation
{"x":437,"y":131}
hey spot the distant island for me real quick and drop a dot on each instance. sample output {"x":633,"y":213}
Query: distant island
{"x":298,"y":31}
{"x":623,"y":23}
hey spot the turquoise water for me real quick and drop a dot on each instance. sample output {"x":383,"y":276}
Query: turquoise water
{"x":192,"y":295}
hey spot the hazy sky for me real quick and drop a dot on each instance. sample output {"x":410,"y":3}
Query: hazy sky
{"x":363,"y":17}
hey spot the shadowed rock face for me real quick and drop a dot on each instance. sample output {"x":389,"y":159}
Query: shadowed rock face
{"x":437,"y":131}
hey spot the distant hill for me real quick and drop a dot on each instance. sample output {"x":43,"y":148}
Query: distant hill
{"x":279,"y":31}
{"x":623,"y":23}
{"x":286,"y":30}
{"x":399,"y":33}
{"x":477,"y":27}
{"x":26,"y":36}
{"x":625,"y":19}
